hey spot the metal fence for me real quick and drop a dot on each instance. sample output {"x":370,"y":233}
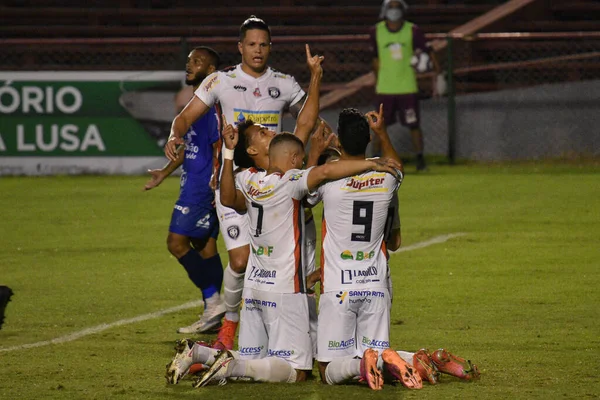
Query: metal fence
{"x":484,"y":71}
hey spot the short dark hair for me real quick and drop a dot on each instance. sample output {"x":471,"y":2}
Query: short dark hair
{"x":215,"y":59}
{"x":327,"y":155}
{"x":353,"y":131}
{"x":284,"y":138}
{"x":253,"y":22}
{"x":241,"y":157}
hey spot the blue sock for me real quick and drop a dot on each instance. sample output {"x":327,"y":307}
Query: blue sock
{"x":214,"y":269}
{"x":207,"y":274}
{"x":194,"y":266}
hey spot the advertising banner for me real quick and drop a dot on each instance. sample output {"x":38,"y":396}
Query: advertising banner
{"x":85,"y":122}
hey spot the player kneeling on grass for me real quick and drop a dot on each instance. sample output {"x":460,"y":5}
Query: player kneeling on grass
{"x":355,"y":294}
{"x":274,"y":321}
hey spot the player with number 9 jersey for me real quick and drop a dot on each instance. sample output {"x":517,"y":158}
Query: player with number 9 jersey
{"x":355,"y":215}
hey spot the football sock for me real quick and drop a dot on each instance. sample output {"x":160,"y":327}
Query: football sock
{"x":342,"y":369}
{"x":233,"y":284}
{"x":406,"y":356}
{"x":269,"y":369}
{"x":206,"y":355}
{"x":192,"y":262}
{"x":214,"y":269}
{"x":199,"y":272}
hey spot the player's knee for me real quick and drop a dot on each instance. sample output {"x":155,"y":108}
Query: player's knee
{"x":177,"y":245}
{"x":238,"y":259}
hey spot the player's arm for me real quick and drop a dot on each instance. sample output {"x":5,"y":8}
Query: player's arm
{"x":377,"y":125}
{"x":344,"y":168}
{"x":159,"y":175}
{"x":215,"y":165}
{"x":393,"y":238}
{"x":313,"y":278}
{"x":230,"y":196}
{"x":308,"y":115}
{"x":319,"y":142}
{"x":182,"y":122}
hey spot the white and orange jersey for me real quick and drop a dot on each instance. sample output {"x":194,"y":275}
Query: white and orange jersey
{"x":243,"y":97}
{"x":356,"y":214}
{"x":277,"y":261}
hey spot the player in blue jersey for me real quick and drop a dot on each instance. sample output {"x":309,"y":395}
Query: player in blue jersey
{"x":194,"y":224}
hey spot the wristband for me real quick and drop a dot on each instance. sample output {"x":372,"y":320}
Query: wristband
{"x":228,"y":154}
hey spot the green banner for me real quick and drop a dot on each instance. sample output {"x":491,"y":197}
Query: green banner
{"x":86,"y":114}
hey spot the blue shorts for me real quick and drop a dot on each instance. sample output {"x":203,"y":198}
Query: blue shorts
{"x":196,"y":221}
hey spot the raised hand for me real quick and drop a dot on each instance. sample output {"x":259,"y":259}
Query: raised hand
{"x":320,"y":140}
{"x":375,"y":119}
{"x":230,"y":134}
{"x":314,"y":62}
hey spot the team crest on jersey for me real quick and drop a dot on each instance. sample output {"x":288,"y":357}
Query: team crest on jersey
{"x":233,"y":232}
{"x":274,"y":92}
{"x":295,"y":177}
{"x":257,"y":93}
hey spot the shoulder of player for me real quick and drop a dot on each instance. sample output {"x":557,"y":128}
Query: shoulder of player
{"x":281,"y":75}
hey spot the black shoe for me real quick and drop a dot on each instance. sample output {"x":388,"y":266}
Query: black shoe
{"x":421,"y":166}
{"x":5,"y":295}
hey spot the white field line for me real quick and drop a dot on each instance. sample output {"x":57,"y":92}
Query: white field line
{"x":157,"y":314}
{"x":103,"y":327}
{"x":429,"y":242}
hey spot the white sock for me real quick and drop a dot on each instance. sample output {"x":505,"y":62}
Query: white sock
{"x":233,"y":285}
{"x":203,"y":354}
{"x":406,"y":356}
{"x":342,"y":369}
{"x":206,"y":355}
{"x":270,"y":369}
{"x":213,"y":300}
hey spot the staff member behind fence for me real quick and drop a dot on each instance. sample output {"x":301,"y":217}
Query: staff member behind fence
{"x":399,"y":52}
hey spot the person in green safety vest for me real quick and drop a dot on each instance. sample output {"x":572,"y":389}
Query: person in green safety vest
{"x":400,"y":51}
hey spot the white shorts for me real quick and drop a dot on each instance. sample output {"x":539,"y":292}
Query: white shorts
{"x":352,"y":321}
{"x":234,"y":227}
{"x":275,"y":325}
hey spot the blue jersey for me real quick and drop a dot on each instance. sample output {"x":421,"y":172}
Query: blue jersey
{"x":198,"y":163}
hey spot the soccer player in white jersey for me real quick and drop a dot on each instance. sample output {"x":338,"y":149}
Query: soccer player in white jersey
{"x":250,"y":90}
{"x":354,"y":282}
{"x":274,"y":320}
{"x":354,"y":307}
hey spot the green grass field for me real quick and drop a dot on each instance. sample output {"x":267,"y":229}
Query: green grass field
{"x":517,"y":294}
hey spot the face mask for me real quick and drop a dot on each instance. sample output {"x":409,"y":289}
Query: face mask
{"x":393,"y":14}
